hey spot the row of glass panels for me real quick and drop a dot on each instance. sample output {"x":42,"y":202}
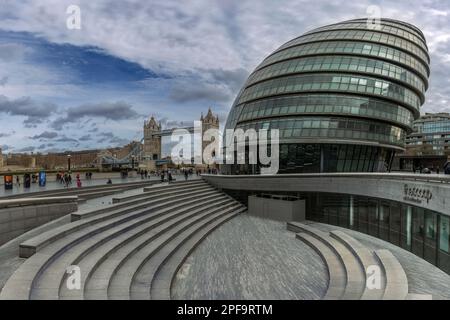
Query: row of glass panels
{"x":349,"y":47}
{"x":326,"y":103}
{"x":330,"y":82}
{"x":339,"y":63}
{"x":398,"y":24}
{"x":364,"y":36}
{"x":395,"y":30}
{"x":323,"y":127}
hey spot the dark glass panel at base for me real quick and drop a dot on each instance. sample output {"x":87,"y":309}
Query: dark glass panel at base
{"x":444,"y":243}
{"x":326,"y":158}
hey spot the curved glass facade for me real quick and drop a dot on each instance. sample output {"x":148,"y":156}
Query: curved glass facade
{"x":378,"y":51}
{"x":343,"y":97}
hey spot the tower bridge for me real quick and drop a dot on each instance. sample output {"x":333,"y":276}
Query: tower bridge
{"x":147,"y":152}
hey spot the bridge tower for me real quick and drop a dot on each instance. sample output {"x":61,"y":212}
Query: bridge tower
{"x":208,"y":122}
{"x":152,"y":143}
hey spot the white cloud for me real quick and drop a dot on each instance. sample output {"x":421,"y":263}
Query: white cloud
{"x":201,"y":43}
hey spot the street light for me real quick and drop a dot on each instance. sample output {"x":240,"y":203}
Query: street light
{"x":68,"y":162}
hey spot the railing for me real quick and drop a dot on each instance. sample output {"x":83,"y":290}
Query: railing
{"x":429,"y":178}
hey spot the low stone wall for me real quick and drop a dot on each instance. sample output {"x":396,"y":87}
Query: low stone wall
{"x":21,"y":215}
{"x":277,"y":208}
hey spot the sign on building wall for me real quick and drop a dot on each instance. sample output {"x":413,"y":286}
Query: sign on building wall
{"x":417,"y":194}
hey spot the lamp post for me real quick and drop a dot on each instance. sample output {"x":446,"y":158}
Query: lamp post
{"x":68,"y":162}
{"x":132,"y":162}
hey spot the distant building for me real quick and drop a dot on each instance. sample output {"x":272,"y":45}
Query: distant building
{"x":20,"y":160}
{"x":428,"y":146}
{"x":78,"y":159}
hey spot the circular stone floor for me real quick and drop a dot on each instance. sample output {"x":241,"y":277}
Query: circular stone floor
{"x":254,"y":258}
{"x":251,"y":258}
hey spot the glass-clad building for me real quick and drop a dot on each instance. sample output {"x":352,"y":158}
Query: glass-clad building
{"x":343,"y":97}
{"x":431,"y":135}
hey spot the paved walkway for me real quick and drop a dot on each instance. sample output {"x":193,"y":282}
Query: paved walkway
{"x":252,"y":258}
{"x":53,"y":185}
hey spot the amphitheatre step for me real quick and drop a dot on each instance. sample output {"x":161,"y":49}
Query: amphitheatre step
{"x":366,"y":259}
{"x":90,"y":261}
{"x":130,"y":205}
{"x":52,"y":279}
{"x":396,"y":280}
{"x":31,"y":246}
{"x":159,"y":191}
{"x":337,"y":278}
{"x":21,"y":282}
{"x":98,"y":284}
{"x":415,"y":296}
{"x":354,"y":272}
{"x":139,"y":270}
{"x":164,"y":277}
{"x":176,"y":183}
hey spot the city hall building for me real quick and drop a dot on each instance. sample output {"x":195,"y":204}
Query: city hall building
{"x":344,"y":98}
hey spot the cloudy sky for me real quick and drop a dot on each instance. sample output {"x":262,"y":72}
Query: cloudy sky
{"x":69,"y":89}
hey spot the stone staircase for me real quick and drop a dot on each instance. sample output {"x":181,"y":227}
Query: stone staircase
{"x":349,"y":262}
{"x":131,"y":249}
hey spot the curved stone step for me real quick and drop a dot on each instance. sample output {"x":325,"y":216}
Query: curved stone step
{"x":159,"y":190}
{"x":130,"y":205}
{"x":89,"y":261}
{"x":337,"y":279}
{"x":396,"y":280}
{"x":162,"y":280}
{"x":366,"y":259}
{"x":120,"y":285}
{"x":33,"y":245}
{"x":19,"y":285}
{"x":175,"y":184}
{"x":49,"y":282}
{"x":355,"y":275}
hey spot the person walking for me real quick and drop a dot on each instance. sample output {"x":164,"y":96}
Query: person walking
{"x":78,"y":182}
{"x":170,"y":176}
{"x":186,"y":174}
{"x":18,"y":181}
{"x":162,"y":176}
